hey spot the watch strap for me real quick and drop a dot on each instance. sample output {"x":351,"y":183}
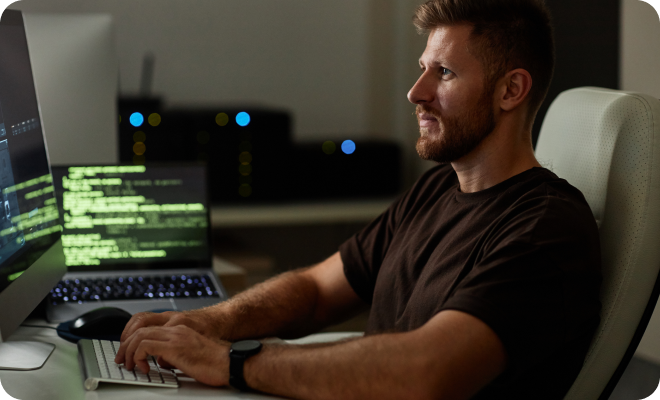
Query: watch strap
{"x":236,"y":378}
{"x":238,"y":353}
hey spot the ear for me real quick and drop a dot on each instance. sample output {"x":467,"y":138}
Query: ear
{"x":514,"y":88}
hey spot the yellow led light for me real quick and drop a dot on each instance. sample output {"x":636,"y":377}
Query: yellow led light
{"x":222,"y":119}
{"x":139,"y":136}
{"x":245,"y":158}
{"x":154,"y":119}
{"x":329,"y":147}
{"x":139,"y":148}
{"x":245,"y":169}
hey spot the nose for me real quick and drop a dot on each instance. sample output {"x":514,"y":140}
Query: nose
{"x":422,"y":91}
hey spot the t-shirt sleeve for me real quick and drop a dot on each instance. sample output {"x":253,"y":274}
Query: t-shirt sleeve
{"x":363,"y":254}
{"x":536,"y":281}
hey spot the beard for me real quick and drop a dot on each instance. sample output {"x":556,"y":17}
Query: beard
{"x":458,"y":135}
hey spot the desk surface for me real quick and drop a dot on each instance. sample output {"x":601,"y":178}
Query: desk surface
{"x":61,"y":378}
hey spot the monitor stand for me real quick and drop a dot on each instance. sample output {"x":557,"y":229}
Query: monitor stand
{"x":24,"y":356}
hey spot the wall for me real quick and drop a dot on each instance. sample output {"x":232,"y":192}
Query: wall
{"x":640,"y":48}
{"x":640,"y":71}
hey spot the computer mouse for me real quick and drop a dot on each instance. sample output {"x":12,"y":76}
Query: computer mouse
{"x":103,"y":321}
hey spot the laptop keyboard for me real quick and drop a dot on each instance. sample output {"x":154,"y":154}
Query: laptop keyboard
{"x":132,"y":287}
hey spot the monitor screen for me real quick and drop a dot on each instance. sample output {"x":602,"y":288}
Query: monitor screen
{"x":31,"y":256}
{"x":117,"y":217}
{"x":29,"y":221}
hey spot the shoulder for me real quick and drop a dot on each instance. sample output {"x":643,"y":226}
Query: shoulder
{"x":552,"y":207}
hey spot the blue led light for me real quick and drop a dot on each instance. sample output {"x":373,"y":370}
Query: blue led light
{"x":348,"y":146}
{"x":242,"y":118}
{"x":136,"y":119}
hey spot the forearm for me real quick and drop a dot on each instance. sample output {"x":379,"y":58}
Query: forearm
{"x":453,"y":356}
{"x":282,"y":306}
{"x":389,"y":366}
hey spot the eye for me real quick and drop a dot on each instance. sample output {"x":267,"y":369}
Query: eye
{"x":446,"y":71}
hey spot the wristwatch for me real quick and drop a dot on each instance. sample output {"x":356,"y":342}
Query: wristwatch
{"x":238,"y":353}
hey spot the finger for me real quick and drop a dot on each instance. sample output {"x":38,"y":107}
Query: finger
{"x":161,"y":361}
{"x":130,"y":326}
{"x":149,"y":348}
{"x":120,"y":357}
{"x":138,"y":321}
{"x":141,"y":320}
{"x":134,"y":341}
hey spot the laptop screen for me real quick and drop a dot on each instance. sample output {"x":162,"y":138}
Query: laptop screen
{"x":133,"y":216}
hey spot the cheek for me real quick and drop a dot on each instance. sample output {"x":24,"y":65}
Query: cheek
{"x":450,"y":101}
{"x":455,"y":100}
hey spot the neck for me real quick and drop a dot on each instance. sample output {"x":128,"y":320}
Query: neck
{"x":504,"y":153}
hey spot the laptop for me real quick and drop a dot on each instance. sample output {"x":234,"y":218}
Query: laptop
{"x":135,"y":237}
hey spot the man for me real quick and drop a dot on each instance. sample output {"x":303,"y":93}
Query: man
{"x":483,"y":279}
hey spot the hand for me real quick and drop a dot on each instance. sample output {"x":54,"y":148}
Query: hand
{"x":204,"y":359}
{"x":191,"y":319}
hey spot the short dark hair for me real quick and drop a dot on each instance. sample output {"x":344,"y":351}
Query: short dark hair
{"x":507,"y":34}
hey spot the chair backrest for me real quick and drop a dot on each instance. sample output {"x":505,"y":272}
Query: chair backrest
{"x":607,"y":144}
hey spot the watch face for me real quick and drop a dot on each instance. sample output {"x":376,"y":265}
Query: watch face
{"x":246,"y":346}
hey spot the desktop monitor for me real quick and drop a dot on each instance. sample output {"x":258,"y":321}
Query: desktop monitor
{"x":31,"y":255}
{"x":75,"y":71}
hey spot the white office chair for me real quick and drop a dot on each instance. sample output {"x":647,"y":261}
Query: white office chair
{"x":607,"y":144}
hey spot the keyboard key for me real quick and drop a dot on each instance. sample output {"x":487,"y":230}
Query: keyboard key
{"x":115,"y":371}
{"x":141,"y":377}
{"x":128,"y":375}
{"x":168,"y":376}
{"x":155,"y":377}
{"x":107,"y":349}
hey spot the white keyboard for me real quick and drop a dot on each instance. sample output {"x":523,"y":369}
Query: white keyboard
{"x":97,"y":358}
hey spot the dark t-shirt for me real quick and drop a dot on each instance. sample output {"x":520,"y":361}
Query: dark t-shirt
{"x":522,"y":256}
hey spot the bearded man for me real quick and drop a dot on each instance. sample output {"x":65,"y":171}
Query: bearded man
{"x":482,"y":279}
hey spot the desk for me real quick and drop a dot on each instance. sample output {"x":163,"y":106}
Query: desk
{"x":61,"y":378}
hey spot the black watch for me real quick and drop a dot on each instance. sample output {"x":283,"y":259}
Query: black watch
{"x":238,"y":353}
